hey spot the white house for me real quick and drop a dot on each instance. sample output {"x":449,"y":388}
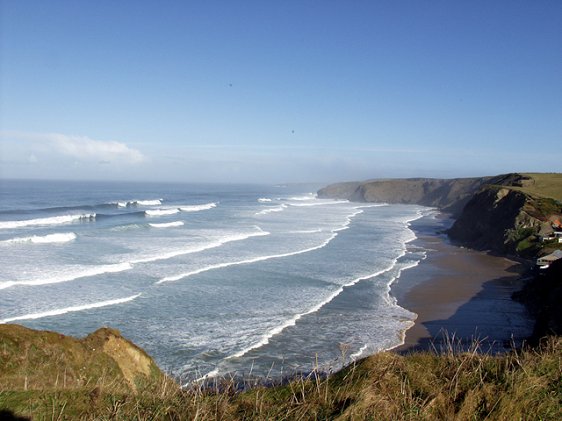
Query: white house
{"x":545,"y":261}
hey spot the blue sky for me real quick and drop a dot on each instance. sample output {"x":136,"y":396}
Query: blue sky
{"x":279,"y":91}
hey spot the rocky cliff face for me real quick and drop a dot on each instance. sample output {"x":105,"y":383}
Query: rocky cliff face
{"x":487,"y":218}
{"x":449,"y":195}
{"x":504,"y":220}
{"x":492,"y":213}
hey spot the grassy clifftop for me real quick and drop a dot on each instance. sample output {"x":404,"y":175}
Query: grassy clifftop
{"x":420,"y":386}
{"x":547,"y":185}
{"x":511,"y":214}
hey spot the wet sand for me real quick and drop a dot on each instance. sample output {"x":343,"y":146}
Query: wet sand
{"x":465,"y":293}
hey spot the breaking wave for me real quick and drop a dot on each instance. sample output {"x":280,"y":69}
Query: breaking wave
{"x":202,"y":247}
{"x":197,"y":208}
{"x":59,"y":311}
{"x":309,"y":196}
{"x":262,"y":258}
{"x":45,"y":239}
{"x":167,"y":224}
{"x":125,"y":204}
{"x":53,"y":220}
{"x":272,"y":209}
{"x":161,"y":212}
{"x":92,"y":271}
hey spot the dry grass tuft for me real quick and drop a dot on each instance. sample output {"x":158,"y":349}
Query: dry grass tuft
{"x":454,"y":385}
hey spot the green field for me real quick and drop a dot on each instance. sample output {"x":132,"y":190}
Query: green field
{"x":544,"y":185}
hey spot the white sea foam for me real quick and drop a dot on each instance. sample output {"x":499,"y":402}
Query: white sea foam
{"x":309,"y":196}
{"x":53,"y":220}
{"x":264,"y":200}
{"x":59,"y":311}
{"x":197,"y":208}
{"x":154,"y":202}
{"x":306,"y":231}
{"x":272,"y":209}
{"x":127,"y":203}
{"x":242,"y":262}
{"x":262,"y":258}
{"x":66,"y":277}
{"x":209,"y":375}
{"x":202,"y":247}
{"x":357,"y":354}
{"x":62,"y":237}
{"x":167,"y":224}
{"x":373,"y":205}
{"x":161,"y":212}
{"x":293,"y":320}
{"x":319,"y":203}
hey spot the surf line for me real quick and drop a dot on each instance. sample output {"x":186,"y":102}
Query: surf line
{"x":59,"y":311}
{"x":293,"y":320}
{"x":261,"y":258}
{"x":95,"y":271}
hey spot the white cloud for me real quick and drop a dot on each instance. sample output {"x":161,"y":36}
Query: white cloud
{"x":82,"y":148}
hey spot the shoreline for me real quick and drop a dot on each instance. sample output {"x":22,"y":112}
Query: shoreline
{"x":461,"y":295}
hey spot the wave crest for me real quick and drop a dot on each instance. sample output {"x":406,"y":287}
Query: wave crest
{"x":272,"y":209}
{"x":63,"y":237}
{"x":197,"y":208}
{"x":92,"y":271}
{"x":53,"y":220}
{"x":59,"y":311}
{"x":161,"y":212}
{"x":167,"y":224}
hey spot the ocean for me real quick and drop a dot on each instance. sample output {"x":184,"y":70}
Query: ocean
{"x":209,"y":279}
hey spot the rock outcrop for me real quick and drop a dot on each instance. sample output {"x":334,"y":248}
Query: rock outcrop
{"x":42,"y":360}
{"x":504,"y":220}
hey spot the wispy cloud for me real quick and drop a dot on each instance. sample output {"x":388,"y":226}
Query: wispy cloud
{"x":82,"y":147}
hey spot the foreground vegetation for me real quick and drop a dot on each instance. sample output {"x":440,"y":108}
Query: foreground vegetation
{"x":455,"y":385}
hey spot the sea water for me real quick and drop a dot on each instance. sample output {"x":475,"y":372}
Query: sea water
{"x":208,"y":279}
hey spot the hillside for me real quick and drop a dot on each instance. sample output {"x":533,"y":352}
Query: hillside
{"x":510,"y":215}
{"x":449,"y":195}
{"x":43,"y":360}
{"x":50,"y":376}
{"x":505,"y":214}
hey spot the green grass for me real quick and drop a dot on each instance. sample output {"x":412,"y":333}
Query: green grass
{"x":421,"y":386}
{"x":544,"y":185}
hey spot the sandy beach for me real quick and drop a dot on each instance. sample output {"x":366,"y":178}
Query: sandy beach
{"x":463,"y":292}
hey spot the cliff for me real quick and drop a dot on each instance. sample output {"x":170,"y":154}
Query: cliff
{"x":542,"y":296}
{"x":505,"y":213}
{"x":449,"y":195}
{"x":510,"y":215}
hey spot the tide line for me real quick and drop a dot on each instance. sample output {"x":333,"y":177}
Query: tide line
{"x":292,"y":321}
{"x":59,"y":311}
